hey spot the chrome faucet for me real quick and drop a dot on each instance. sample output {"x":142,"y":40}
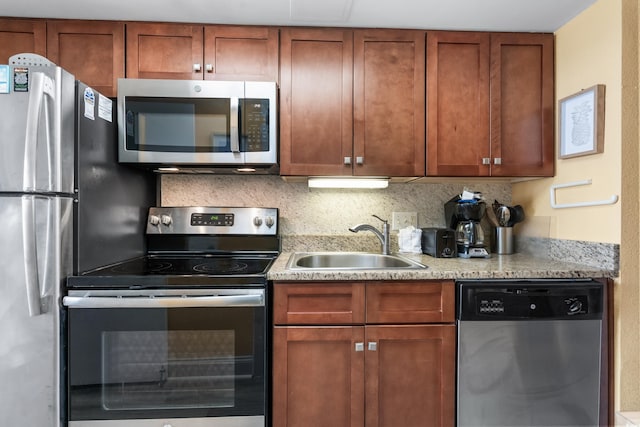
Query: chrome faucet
{"x":383,"y":237}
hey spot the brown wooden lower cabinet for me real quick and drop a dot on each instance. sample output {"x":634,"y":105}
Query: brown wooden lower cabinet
{"x":409,"y":377}
{"x":318,"y":376}
{"x":360,"y":374}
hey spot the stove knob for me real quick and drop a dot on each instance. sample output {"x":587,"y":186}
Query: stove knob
{"x":269,"y":221}
{"x":257,"y":221}
{"x":154,"y":220}
{"x":166,"y":220}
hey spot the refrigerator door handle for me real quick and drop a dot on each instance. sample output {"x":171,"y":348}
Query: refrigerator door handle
{"x":41,"y":85}
{"x":32,"y":276}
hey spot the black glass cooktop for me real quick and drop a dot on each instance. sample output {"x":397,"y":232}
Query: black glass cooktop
{"x":169,"y":270}
{"x":167,"y":265}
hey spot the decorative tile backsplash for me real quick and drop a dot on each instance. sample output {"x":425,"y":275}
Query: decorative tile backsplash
{"x":322,"y":212}
{"x":314,"y":220}
{"x":601,"y":255}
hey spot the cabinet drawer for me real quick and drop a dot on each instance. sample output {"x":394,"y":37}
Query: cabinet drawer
{"x":327,"y":303}
{"x":410,"y":302}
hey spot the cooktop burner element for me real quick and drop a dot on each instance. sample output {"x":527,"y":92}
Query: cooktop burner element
{"x":221,"y":266}
{"x":196,"y":246}
{"x":142,"y":265}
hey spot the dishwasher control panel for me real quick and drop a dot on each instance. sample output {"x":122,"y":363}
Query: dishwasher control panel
{"x":531,"y":305}
{"x":501,"y":300}
{"x":490,"y":305}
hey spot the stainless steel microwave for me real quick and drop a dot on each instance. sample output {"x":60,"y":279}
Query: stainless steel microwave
{"x":175,"y":125}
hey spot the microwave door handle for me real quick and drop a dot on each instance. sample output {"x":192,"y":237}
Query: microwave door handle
{"x":234,"y":119}
{"x":255,"y":300}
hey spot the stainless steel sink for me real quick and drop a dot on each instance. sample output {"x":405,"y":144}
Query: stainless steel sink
{"x":350,"y":261}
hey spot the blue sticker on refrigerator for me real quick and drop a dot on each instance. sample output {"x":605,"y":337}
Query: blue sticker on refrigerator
{"x":5,"y":85}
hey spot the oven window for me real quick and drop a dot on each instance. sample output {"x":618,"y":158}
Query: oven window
{"x":126,"y":363}
{"x":168,"y":369}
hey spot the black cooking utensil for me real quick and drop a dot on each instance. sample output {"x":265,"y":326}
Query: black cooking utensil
{"x":517,"y":215}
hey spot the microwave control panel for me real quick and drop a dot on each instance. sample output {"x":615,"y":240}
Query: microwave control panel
{"x":255,"y":124}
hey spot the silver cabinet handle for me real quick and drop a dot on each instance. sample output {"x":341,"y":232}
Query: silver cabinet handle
{"x":486,"y":161}
{"x":209,"y":68}
{"x":359,"y":346}
{"x":372,"y":346}
{"x":164,"y":302}
{"x":497,"y":161}
{"x":347,"y":160}
{"x":197,"y":68}
{"x":359,"y":160}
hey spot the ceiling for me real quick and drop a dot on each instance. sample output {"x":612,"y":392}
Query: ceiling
{"x":478,"y":15}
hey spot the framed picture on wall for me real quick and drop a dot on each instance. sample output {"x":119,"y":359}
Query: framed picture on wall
{"x":581,"y":123}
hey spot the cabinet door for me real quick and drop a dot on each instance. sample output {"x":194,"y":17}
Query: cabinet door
{"x":318,"y":304}
{"x":241,"y":53}
{"x":164,"y":51}
{"x":318,"y":376}
{"x":22,"y":36}
{"x":410,"y":375}
{"x":92,"y":50}
{"x":316,"y":108}
{"x":410,"y":302}
{"x":522,"y":100}
{"x":458,"y":104}
{"x":389,"y":103}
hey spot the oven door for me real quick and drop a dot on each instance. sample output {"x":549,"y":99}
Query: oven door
{"x":185,"y":358}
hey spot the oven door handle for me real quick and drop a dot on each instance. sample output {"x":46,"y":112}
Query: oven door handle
{"x":255,"y":300}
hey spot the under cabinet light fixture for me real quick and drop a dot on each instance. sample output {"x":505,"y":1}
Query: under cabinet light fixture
{"x":321,"y":182}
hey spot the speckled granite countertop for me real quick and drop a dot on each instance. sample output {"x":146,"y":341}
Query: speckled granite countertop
{"x":516,"y":266}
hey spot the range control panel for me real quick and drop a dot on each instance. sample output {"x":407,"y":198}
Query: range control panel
{"x":213,"y":220}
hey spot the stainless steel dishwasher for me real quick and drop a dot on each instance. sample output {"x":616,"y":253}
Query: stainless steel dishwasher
{"x":529,"y":353}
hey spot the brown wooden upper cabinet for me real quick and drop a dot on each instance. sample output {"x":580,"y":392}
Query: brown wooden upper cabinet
{"x":316,"y":101}
{"x":92,"y":50}
{"x":22,"y":36}
{"x":522,"y":104}
{"x":389,"y":91}
{"x":490,"y":104}
{"x":352,"y":102}
{"x":196,"y":52}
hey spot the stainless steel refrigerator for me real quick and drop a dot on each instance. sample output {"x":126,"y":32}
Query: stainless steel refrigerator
{"x":66,"y":206}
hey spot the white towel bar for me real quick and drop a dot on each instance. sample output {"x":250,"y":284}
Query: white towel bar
{"x":552,"y":196}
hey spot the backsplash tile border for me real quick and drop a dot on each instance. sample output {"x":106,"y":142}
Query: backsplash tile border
{"x":595,"y":254}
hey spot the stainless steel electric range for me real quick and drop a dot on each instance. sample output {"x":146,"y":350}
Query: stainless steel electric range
{"x":178,"y":337}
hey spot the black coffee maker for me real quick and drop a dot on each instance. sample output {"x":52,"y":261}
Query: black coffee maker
{"x":464,"y":217}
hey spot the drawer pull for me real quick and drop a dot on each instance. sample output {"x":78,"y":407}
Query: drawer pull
{"x":373,"y":346}
{"x":359,"y":346}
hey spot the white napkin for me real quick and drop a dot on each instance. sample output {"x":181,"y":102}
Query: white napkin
{"x":410,"y":240}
